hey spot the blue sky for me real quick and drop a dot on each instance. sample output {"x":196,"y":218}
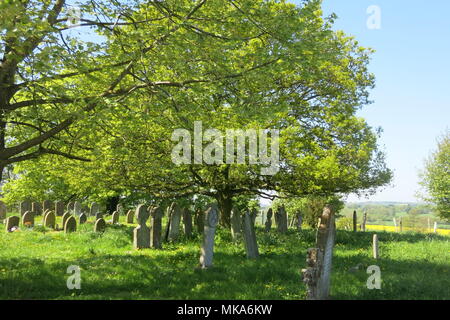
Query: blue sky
{"x":412,"y":69}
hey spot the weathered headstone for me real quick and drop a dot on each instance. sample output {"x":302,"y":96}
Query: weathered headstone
{"x":3,"y":209}
{"x":120,"y":209}
{"x":64,"y":218}
{"x":130,"y":216}
{"x":236,"y":224}
{"x":251,"y":246}
{"x":207,"y":250}
{"x":100,"y":225}
{"x":115,"y":217}
{"x":70,"y":206}
{"x":174,"y":224}
{"x":141,"y":234}
{"x":77,"y":208}
{"x":363,"y":224}
{"x":95,"y":208}
{"x":28,"y":219}
{"x":70,"y":225}
{"x":319,"y":259}
{"x":187,"y":223}
{"x":82,"y":218}
{"x":98,"y":215}
{"x":47,"y":205}
{"x":12,"y":222}
{"x":156,"y":228}
{"x":24,"y":207}
{"x":375,"y":246}
{"x":268,"y":223}
{"x":50,"y":219}
{"x":59,"y":208}
{"x":281,"y":220}
{"x":200,"y":221}
{"x":355,"y":220}
{"x":36,"y":208}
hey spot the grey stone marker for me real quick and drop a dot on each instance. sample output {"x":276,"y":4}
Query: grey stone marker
{"x":156,"y":228}
{"x":28,"y":219}
{"x":130,"y":216}
{"x":3,"y":209}
{"x":70,"y":206}
{"x":187,"y":223}
{"x":82,"y":218}
{"x":251,"y":246}
{"x":47,"y":205}
{"x":24,"y":207}
{"x":70,"y":225}
{"x":236,"y":224}
{"x":50,"y":220}
{"x":115,"y":217}
{"x":59,"y":208}
{"x":36,"y":208}
{"x":64,"y":218}
{"x":77,"y":208}
{"x":268,"y":224}
{"x":200,"y":221}
{"x":95,"y":208}
{"x":375,"y":246}
{"x":141,"y":234}
{"x":174,"y":224}
{"x":12,"y":222}
{"x":355,"y":219}
{"x":363,"y":225}
{"x":281,"y":220}
{"x":207,"y":250}
{"x":100,"y":225}
{"x":119,"y":208}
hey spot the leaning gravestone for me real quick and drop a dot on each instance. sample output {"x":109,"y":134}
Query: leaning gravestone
{"x":115,"y":217}
{"x":187,"y":223}
{"x":207,"y":250}
{"x":59,"y":208}
{"x":200,"y":221}
{"x":130,"y":216}
{"x":281,"y":220}
{"x":47,"y":205}
{"x":83,"y":218}
{"x":95,"y":208}
{"x":2,"y":210}
{"x":174,"y":224}
{"x":141,"y":234}
{"x":251,"y":246}
{"x":70,"y":225}
{"x":24,"y":207}
{"x":12,"y":222}
{"x":100,"y":225}
{"x":156,"y":228}
{"x":77,"y":208}
{"x":319,"y":259}
{"x":28,"y":219}
{"x":36,"y":208}
{"x":50,"y":220}
{"x":65,"y":217}
{"x":236,"y":224}
{"x":268,"y":223}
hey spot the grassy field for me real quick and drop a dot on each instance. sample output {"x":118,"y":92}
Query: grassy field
{"x":33,"y":265}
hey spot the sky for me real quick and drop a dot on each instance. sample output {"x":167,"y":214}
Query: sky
{"x":412,"y":70}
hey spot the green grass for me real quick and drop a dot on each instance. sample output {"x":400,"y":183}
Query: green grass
{"x":33,"y":265}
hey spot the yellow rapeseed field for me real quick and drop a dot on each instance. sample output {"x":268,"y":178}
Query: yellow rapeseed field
{"x":445,"y":232}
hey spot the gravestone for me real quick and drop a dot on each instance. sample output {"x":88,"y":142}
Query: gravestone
{"x":236,"y":224}
{"x":77,"y":208}
{"x":70,"y":206}
{"x":141,"y":234}
{"x":251,"y":246}
{"x":95,"y":208}
{"x":435,"y":227}
{"x":174,"y":224}
{"x":187,"y":223}
{"x":12,"y":222}
{"x":200,"y":221}
{"x":24,"y":207}
{"x":268,"y":224}
{"x":70,"y":225}
{"x":50,"y":220}
{"x":64,"y":218}
{"x":156,"y":228}
{"x":375,"y":246}
{"x":115,"y":217}
{"x":100,"y":225}
{"x":98,"y":215}
{"x":130,"y":216}
{"x":355,"y":219}
{"x":207,"y":250}
{"x":28,"y":219}
{"x":363,"y":225}
{"x":59,"y":208}
{"x":317,"y":274}
{"x":3,"y":209}
{"x":83,"y":218}
{"x":281,"y":220}
{"x":120,"y":209}
{"x":47,"y":205}
{"x":36,"y":208}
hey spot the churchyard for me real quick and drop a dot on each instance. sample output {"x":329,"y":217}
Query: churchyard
{"x":138,"y":254}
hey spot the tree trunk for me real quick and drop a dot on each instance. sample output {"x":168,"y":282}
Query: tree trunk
{"x":225,"y":203}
